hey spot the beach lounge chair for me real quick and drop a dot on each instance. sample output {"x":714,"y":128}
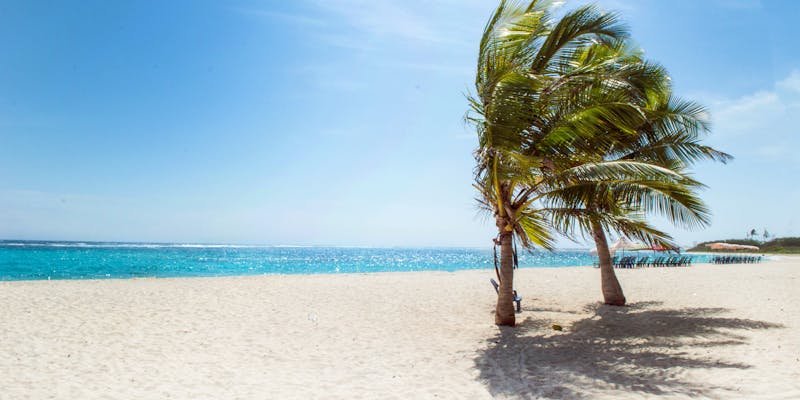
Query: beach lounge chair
{"x":672,"y":262}
{"x":517,"y":299}
{"x":626,"y":262}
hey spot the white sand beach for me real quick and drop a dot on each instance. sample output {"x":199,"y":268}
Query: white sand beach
{"x":727,"y":331}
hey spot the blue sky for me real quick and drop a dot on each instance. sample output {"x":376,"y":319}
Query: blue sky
{"x":335,"y":122}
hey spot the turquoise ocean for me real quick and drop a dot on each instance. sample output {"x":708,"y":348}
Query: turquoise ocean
{"x":36,"y":260}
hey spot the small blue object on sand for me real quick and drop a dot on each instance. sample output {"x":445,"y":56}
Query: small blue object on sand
{"x":517,"y":299}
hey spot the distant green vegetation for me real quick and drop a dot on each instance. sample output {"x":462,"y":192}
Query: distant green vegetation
{"x":789,"y":245}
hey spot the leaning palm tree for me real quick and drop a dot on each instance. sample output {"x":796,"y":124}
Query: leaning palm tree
{"x":671,"y":137}
{"x":526,"y":76}
{"x":552,"y":99}
{"x":621,"y":204}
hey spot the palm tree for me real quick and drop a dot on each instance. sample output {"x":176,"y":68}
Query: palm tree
{"x":553,"y":99}
{"x":530,"y":112}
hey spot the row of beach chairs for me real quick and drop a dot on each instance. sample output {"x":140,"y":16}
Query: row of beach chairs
{"x":736,"y":259}
{"x":643,"y":262}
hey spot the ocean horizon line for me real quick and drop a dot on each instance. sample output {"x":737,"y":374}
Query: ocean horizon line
{"x":145,"y":244}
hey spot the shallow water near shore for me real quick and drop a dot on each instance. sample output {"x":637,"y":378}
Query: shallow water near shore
{"x":32,"y":260}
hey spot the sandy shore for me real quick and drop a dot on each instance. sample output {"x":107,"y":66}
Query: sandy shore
{"x":730,"y":331}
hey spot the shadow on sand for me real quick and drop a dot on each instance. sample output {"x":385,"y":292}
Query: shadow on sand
{"x":639,"y":349}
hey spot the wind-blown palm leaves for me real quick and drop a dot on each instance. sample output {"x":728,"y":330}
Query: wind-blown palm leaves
{"x":665,"y":144}
{"x":575,"y":133}
{"x":525,"y":77}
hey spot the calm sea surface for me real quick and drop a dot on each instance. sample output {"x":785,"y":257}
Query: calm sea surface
{"x":24,"y":260}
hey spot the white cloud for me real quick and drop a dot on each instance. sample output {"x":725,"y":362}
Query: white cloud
{"x":746,"y":114}
{"x":760,"y":124}
{"x":381,"y":18}
{"x":756,"y":189}
{"x":417,"y":22}
{"x":791,"y":83}
{"x":385,"y":36}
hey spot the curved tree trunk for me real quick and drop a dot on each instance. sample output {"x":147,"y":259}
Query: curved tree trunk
{"x":504,"y":312}
{"x":612,"y":291}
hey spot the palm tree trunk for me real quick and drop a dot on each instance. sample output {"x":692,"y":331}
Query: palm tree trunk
{"x":504,"y":312}
{"x":612,"y":291}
